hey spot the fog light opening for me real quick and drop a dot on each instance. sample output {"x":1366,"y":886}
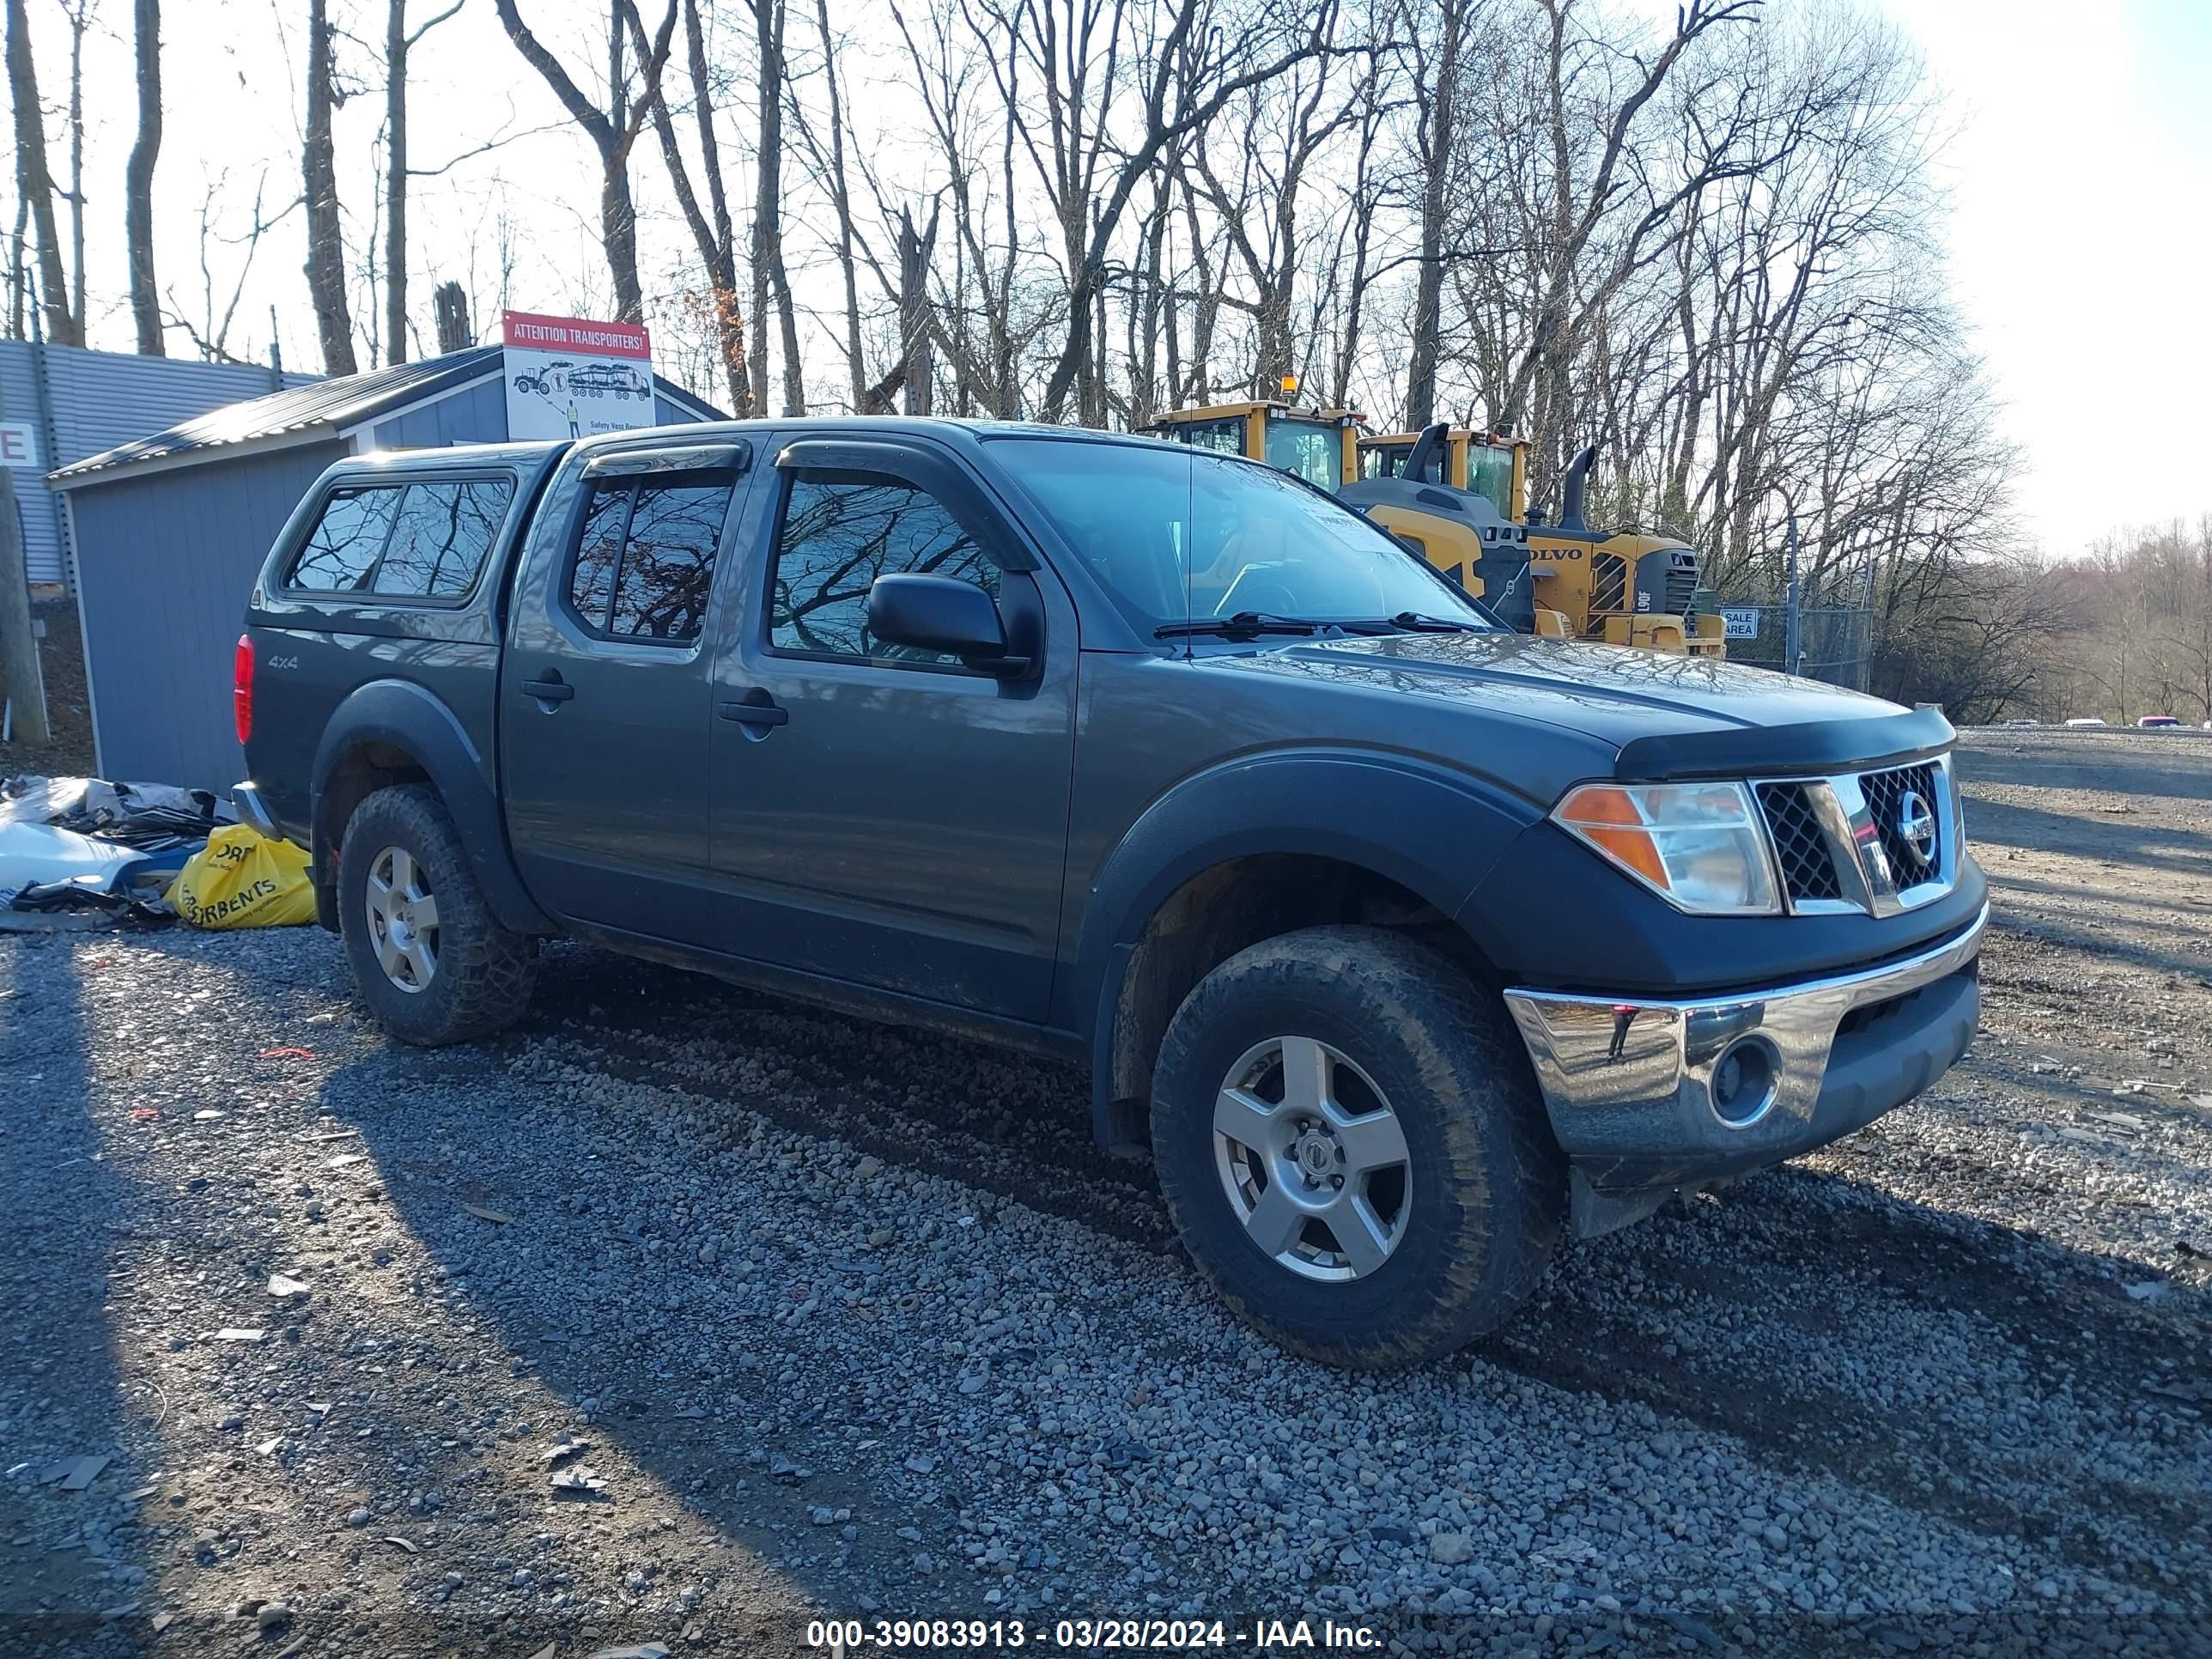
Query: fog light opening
{"x":1743,"y":1081}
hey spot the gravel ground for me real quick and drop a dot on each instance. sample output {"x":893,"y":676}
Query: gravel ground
{"x":807,"y":1315}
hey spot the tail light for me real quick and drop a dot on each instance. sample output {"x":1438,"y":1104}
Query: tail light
{"x":242,"y":687}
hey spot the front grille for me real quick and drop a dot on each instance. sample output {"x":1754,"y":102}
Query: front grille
{"x":1808,"y":870}
{"x":1608,"y":583}
{"x":1681,"y":583}
{"x":1885,"y":792}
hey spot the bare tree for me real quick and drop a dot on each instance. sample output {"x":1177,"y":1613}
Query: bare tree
{"x":79,"y":13}
{"x":1180,"y":66}
{"x":449,"y":305}
{"x":831,"y":171}
{"x":613,"y":131}
{"x":1286,"y":128}
{"x":397,"y":43}
{"x":210,"y":336}
{"x":325,"y":267}
{"x":33,"y":182}
{"x":19,"y":273}
{"x":770,"y":280}
{"x":711,"y":232}
{"x":1437,"y":99}
{"x":139,"y":180}
{"x":1577,"y":209}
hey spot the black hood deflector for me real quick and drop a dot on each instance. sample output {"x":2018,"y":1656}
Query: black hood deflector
{"x":1831,"y":745}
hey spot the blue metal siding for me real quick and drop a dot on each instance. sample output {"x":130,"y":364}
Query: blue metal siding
{"x":168,"y":559}
{"x":477,"y":416}
{"x":83,"y":401}
{"x":668,"y":412}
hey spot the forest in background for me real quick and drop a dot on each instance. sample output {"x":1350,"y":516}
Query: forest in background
{"x":1710,"y":244}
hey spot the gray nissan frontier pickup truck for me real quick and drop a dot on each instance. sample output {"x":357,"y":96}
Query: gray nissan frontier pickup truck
{"x":1401,"y":941}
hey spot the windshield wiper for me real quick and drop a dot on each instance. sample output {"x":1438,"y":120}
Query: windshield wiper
{"x":1414,"y":622}
{"x":1244,"y":624}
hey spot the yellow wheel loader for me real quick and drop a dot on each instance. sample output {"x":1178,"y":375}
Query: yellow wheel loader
{"x":1621,"y":586}
{"x":1463,"y":534}
{"x":1459,"y":498}
{"x":1320,"y":446}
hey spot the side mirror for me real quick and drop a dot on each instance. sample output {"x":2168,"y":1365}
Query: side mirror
{"x":942,"y":613}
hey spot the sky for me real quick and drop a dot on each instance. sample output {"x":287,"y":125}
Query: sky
{"x":2078,"y":171}
{"x":2080,"y":178}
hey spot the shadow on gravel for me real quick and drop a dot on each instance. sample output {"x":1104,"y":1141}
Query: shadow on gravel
{"x":2087,"y":764}
{"x":1791,"y":1313}
{"x":69,"y":1556}
{"x":2112,"y":838}
{"x":745,"y":1428}
{"x":1793,"y":1309}
{"x":2095,"y":937}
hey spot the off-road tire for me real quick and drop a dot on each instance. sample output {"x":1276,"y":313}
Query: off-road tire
{"x":1486,"y":1182}
{"x":484,"y":971}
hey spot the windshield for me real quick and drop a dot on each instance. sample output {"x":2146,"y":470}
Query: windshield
{"x":1177,"y":535}
{"x":1311,"y":450}
{"x":1383,"y":461}
{"x":1490,"y":472}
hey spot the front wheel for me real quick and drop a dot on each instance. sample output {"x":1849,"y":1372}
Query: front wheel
{"x":428,"y":955}
{"x":1352,"y":1144}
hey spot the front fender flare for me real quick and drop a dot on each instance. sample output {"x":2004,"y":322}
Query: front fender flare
{"x":403,"y":716}
{"x":1435,"y":832}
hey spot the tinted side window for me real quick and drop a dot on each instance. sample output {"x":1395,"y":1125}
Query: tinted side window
{"x":346,"y":542}
{"x":592,"y":578}
{"x":840,"y":532}
{"x":440,"y":539}
{"x":645,"y":561}
{"x":668,"y":560}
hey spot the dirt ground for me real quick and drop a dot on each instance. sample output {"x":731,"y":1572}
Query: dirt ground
{"x":69,"y":706}
{"x":682,"y":1316}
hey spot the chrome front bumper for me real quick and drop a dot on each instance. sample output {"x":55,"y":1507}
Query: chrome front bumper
{"x":1646,"y":1096}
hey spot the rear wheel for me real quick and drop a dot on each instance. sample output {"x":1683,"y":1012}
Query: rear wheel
{"x":428,"y":955}
{"x":1352,"y":1144}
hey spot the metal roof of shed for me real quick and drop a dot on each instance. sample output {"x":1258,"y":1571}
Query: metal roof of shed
{"x":333,"y":406}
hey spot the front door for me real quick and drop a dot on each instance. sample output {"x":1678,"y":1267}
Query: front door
{"x":604,"y":694}
{"x":883,"y":816}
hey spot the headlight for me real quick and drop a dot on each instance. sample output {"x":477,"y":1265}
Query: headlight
{"x":1698,"y":846}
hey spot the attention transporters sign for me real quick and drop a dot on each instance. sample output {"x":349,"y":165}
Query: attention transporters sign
{"x":568,"y":377}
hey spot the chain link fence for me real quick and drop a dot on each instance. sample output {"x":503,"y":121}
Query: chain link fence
{"x":1834,"y":643}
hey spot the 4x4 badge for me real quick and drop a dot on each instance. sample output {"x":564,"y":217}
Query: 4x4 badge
{"x":1915,"y":826}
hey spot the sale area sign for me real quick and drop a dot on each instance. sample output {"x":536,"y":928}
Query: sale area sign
{"x":567,"y":377}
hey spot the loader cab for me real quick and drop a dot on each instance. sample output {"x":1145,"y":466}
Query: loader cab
{"x":1492,"y":466}
{"x":1318,"y":445}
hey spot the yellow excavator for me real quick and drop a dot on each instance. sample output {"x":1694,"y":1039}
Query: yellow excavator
{"x":1459,"y":498}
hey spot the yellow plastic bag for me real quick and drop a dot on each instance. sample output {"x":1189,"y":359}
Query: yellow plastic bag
{"x":242,"y":879}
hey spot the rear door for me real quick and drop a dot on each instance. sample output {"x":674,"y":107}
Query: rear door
{"x":384,"y":573}
{"x":604,"y":694}
{"x":883,"y":816}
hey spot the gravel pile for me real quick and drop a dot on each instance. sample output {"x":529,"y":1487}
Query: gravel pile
{"x":681,"y":1317}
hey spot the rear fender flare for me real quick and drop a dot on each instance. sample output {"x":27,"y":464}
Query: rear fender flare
{"x":402,"y":715}
{"x":1436,"y":833}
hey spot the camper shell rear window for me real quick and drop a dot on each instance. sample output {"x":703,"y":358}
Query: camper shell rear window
{"x":411,"y":539}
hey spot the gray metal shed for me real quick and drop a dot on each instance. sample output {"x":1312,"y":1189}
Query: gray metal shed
{"x":170,"y":531}
{"x":81,"y":403}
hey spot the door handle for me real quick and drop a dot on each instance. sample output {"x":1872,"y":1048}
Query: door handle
{"x":550,"y":689}
{"x":755,"y":708}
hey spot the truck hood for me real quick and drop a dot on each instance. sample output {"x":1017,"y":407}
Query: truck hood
{"x":1665,"y":716}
